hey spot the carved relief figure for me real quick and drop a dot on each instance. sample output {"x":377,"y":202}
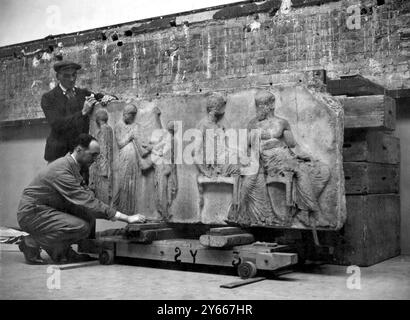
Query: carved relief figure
{"x":162,"y":155}
{"x":215,"y":109}
{"x":281,"y":161}
{"x":210,"y":167}
{"x":126,"y":135}
{"x":101,"y":170}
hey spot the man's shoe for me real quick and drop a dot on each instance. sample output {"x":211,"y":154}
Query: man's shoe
{"x":73,"y":256}
{"x":57,"y":255}
{"x":31,"y":254}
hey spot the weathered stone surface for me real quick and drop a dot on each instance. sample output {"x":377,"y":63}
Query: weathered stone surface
{"x":207,"y":54}
{"x":101,"y":170}
{"x":303,"y":188}
{"x":314,"y":118}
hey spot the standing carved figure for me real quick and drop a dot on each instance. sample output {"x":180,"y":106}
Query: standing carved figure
{"x":101,"y":178}
{"x":128,"y":168}
{"x":280,"y":159}
{"x":166,"y":180}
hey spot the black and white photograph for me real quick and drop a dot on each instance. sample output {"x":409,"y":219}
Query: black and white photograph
{"x":200,"y":157}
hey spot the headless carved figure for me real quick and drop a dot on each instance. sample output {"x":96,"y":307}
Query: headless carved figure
{"x":166,"y":180}
{"x":101,"y":171}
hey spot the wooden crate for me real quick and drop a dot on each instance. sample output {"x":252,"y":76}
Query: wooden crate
{"x":368,"y":178}
{"x":371,"y":233}
{"x":371,"y":156}
{"x":371,"y":146}
{"x":377,"y":111}
{"x":354,"y":85}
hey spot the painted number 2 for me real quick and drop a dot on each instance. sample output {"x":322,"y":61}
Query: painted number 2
{"x":179,"y":253}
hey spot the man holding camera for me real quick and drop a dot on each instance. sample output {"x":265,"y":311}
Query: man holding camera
{"x":67,"y":109}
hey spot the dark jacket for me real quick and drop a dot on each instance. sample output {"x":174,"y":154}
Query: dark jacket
{"x":65,"y":119}
{"x":60,"y":186}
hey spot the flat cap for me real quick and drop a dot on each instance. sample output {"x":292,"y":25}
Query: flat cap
{"x":61,"y":65}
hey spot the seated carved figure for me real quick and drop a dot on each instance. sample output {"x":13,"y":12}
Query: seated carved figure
{"x":214,"y":164}
{"x":280,"y":160}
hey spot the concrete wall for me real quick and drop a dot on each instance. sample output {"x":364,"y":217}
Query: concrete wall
{"x":217,"y":49}
{"x":21,"y":156}
{"x":403,"y":132}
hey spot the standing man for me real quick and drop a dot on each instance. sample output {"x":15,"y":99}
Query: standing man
{"x":67,"y":109}
{"x":57,"y":208}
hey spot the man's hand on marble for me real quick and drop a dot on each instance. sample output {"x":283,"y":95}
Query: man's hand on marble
{"x":136,"y":218}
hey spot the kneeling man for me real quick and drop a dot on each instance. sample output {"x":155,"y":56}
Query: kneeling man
{"x":56,"y":209}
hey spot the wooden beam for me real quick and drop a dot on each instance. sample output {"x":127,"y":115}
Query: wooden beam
{"x":22,"y":122}
{"x":399,"y":93}
{"x":191,"y":251}
{"x":371,"y":146}
{"x":377,"y":111}
{"x":240,"y":283}
{"x":215,"y":241}
{"x":224,"y":231}
{"x":371,"y":178}
{"x":77,"y":265}
{"x":94,"y":245}
{"x":354,"y":85}
{"x":147,"y":236}
{"x":135,"y":227}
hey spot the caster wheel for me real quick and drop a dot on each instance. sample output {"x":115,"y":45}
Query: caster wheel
{"x":247,"y":270}
{"x":106,"y":257}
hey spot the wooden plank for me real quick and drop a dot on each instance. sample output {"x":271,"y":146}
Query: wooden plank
{"x":110,"y":232}
{"x":135,"y":227}
{"x":180,"y":251}
{"x":399,"y":93}
{"x":147,"y":236}
{"x":215,"y":241}
{"x":93,"y":245}
{"x":264,"y":247}
{"x":270,"y":245}
{"x":354,"y":85}
{"x":371,"y":233}
{"x":240,"y":283}
{"x":376,"y":111}
{"x":191,"y":251}
{"x":368,"y":178}
{"x":275,"y":260}
{"x":371,"y":146}
{"x":224,"y":231}
{"x":77,"y":265}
